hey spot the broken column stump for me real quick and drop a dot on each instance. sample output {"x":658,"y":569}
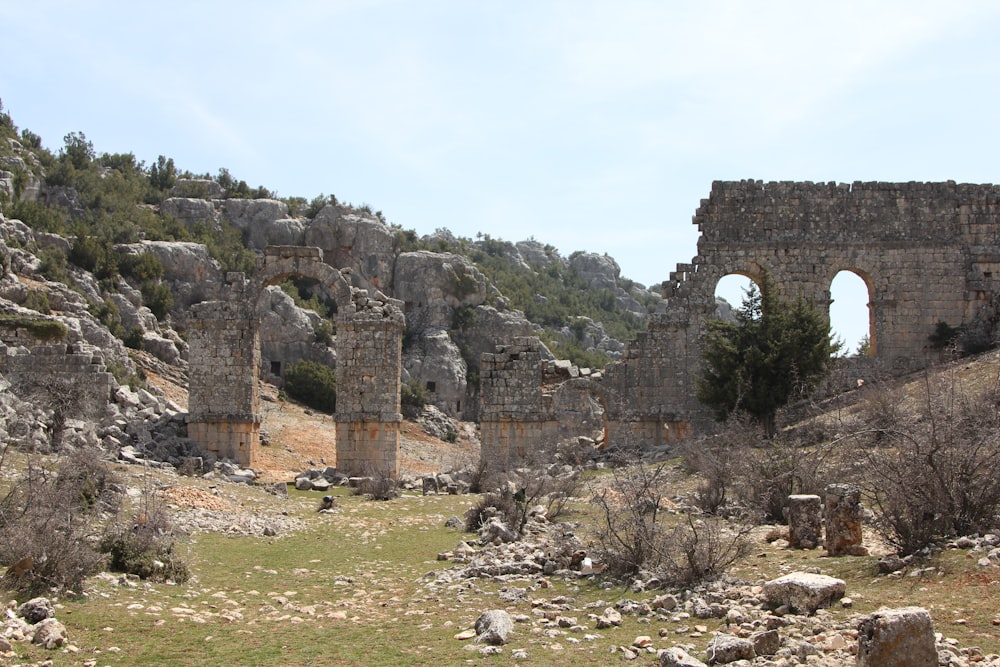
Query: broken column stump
{"x":901,"y":637}
{"x":805,"y":521}
{"x":844,"y":514}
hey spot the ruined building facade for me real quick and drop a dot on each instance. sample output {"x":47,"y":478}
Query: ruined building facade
{"x":927,"y":252}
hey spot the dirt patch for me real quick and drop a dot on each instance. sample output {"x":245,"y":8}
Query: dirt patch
{"x":296,"y":438}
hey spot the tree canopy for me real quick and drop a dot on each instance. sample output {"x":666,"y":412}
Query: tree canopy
{"x":774,"y":350}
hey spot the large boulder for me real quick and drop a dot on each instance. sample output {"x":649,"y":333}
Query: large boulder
{"x":189,"y":210}
{"x":901,"y":637}
{"x":494,"y":627}
{"x":804,"y":592}
{"x":353,"y":239}
{"x":264,"y":222}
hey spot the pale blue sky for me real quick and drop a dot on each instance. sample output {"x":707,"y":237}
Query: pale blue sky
{"x":589,"y":125}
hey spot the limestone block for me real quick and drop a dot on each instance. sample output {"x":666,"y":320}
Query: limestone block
{"x":805,"y":518}
{"x":902,"y":637}
{"x":844,"y":515}
{"x":804,"y":592}
{"x":678,"y":657}
{"x":724,"y":649}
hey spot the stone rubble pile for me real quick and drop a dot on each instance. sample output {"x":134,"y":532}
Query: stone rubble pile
{"x":779,"y":623}
{"x":34,"y":622}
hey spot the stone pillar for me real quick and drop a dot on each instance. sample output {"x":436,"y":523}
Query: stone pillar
{"x":223,"y":399}
{"x":805,"y":521}
{"x":843,"y":520}
{"x":512,"y":418}
{"x":369,"y":359}
{"x":901,"y":637}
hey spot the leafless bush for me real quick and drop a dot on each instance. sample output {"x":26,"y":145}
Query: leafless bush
{"x":702,"y":549}
{"x":49,"y":525}
{"x":517,"y":491}
{"x":635,"y":536}
{"x":143,"y":545}
{"x":740,"y":466}
{"x":931,"y":472}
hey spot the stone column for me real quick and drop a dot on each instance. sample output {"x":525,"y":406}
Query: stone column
{"x":223,"y":400}
{"x":805,"y":520}
{"x":843,"y":520}
{"x":369,"y":349}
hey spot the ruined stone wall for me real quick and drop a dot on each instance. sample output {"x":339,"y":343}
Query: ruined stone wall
{"x":223,"y":400}
{"x":72,"y":377}
{"x":513,"y":418}
{"x":928,"y":252}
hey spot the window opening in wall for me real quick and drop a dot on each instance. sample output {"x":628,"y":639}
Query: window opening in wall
{"x":733,"y":290}
{"x":850,"y":316}
{"x":276,"y":368}
{"x":431,"y":386}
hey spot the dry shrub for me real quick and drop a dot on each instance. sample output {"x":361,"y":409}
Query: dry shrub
{"x":635,"y":536}
{"x":517,"y":491}
{"x":143,"y":545}
{"x":49,"y":524}
{"x":744,"y":471}
{"x":931,"y":471}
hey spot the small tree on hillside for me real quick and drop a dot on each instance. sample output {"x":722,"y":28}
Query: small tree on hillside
{"x":773,"y":350}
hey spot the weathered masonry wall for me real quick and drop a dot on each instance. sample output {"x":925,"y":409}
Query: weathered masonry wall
{"x":224,"y":416}
{"x":368,"y":382}
{"x":928,"y":252}
{"x":73,"y":376}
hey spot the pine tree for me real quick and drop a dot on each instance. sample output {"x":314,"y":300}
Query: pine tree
{"x":774,"y":351}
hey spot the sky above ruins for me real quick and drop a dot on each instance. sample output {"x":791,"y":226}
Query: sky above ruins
{"x":593,"y":126}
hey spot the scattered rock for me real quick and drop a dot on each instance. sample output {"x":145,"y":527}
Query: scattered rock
{"x":494,"y":627}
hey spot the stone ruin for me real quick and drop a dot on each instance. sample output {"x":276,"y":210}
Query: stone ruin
{"x":927,"y":252}
{"x":224,"y":401}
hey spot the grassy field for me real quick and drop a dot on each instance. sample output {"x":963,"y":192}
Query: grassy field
{"x":350,"y":589}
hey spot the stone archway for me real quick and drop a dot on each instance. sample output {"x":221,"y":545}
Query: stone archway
{"x":224,"y":415}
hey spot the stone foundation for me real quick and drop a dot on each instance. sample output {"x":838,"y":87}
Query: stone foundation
{"x":228,"y":438}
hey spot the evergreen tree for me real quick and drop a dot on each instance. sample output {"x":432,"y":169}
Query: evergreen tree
{"x":774,"y":350}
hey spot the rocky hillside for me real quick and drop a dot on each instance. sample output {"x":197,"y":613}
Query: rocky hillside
{"x":119,"y":250}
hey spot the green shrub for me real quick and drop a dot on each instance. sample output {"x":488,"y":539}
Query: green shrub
{"x":53,"y":265}
{"x":158,"y":298}
{"x":133,"y":339}
{"x":313,"y":384}
{"x":144,"y":266}
{"x":41,"y":328}
{"x":39,"y":301}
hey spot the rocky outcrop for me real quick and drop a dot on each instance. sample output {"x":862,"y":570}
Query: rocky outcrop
{"x":287,"y":335}
{"x":264,"y":222}
{"x":436,"y":363}
{"x":189,"y":210}
{"x":600,"y":271}
{"x":353,"y":239}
